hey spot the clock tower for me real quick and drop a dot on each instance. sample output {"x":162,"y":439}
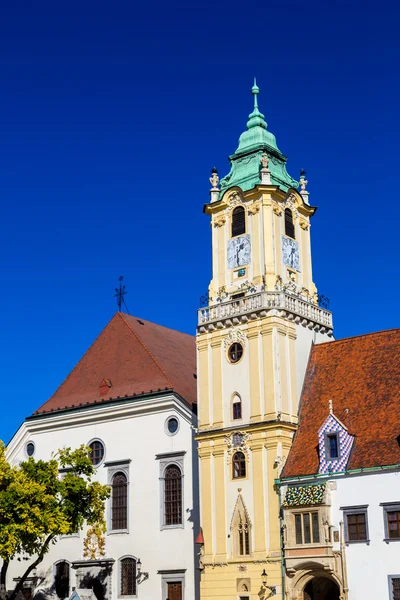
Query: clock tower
{"x":253,"y":340}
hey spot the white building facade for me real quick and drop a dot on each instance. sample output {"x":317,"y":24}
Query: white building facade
{"x":340,"y":487}
{"x":142,"y":446}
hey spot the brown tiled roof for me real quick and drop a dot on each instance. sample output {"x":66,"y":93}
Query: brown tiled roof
{"x":134,"y":356}
{"x":362,"y":377}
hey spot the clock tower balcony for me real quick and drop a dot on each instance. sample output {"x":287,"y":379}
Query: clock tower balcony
{"x":261,"y":304}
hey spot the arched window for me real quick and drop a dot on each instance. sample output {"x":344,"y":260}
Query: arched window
{"x":119,"y":502}
{"x":61,"y":579}
{"x":289,"y":225}
{"x":238,"y":221}
{"x":173,"y":495}
{"x":244,"y":538}
{"x":128,"y":577}
{"x":236,"y":407}
{"x":238,"y":465}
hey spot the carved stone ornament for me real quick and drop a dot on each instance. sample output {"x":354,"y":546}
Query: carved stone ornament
{"x":214,"y":180}
{"x":254,"y":209}
{"x":219,"y":221}
{"x":235,"y":198}
{"x":264,"y":160}
{"x":277,"y":209}
{"x":235,"y":335}
{"x":290,"y":202}
{"x":304,"y":223}
{"x":237,"y":442}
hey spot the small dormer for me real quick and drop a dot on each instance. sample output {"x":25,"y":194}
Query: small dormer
{"x":335,"y":443}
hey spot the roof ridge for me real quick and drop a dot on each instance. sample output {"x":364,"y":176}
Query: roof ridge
{"x":361,"y":335}
{"x":147,"y":350}
{"x":74,"y":367}
{"x":190,"y":335}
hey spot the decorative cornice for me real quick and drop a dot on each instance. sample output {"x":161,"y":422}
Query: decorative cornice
{"x":170,"y":454}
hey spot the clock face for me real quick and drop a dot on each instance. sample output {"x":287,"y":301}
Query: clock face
{"x":239,"y":251}
{"x":290,"y":253}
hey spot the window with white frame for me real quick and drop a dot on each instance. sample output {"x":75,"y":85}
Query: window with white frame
{"x":171,"y":489}
{"x":127,"y":576}
{"x":118,"y":503}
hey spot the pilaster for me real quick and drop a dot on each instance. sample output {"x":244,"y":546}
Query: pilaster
{"x":204,"y":451}
{"x":268,"y":366}
{"x":220,"y":501}
{"x":216,"y":351}
{"x":260,"y":543}
{"x":253,"y":335}
{"x":203,"y":380}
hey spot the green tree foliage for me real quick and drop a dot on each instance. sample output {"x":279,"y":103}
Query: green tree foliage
{"x":37,"y":506}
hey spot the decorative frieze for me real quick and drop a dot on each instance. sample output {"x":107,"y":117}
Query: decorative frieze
{"x":307,"y":495}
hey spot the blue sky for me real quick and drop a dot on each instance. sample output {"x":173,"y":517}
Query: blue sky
{"x":111,"y":116}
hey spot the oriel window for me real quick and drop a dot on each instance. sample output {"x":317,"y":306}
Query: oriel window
{"x":289,"y":225}
{"x":306,"y":528}
{"x":238,"y":221}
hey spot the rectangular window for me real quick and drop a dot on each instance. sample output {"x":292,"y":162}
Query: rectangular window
{"x":299,"y":530}
{"x":307,"y":528}
{"x":315,"y":528}
{"x":394,"y":587}
{"x":357,"y":527}
{"x":237,"y":410}
{"x":391,"y":520}
{"x":393,"y":523}
{"x":332,"y":445}
{"x":355,"y":523}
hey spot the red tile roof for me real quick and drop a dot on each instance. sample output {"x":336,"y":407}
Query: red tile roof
{"x":136,"y":357}
{"x":362,"y":377}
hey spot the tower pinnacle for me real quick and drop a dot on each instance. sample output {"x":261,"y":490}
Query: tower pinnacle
{"x":256,"y":119}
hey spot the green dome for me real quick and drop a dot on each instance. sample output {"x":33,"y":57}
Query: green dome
{"x":245,"y":163}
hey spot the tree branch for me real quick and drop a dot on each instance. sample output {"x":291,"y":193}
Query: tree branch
{"x":35,"y":563}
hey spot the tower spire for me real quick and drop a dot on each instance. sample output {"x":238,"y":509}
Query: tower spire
{"x":255,"y":90}
{"x":256,"y":119}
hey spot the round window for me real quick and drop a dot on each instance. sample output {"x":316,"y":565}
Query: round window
{"x":30,"y":448}
{"x":96,"y":453}
{"x":172,"y":425}
{"x":235,"y":352}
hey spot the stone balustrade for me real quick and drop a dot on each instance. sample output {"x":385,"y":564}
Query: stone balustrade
{"x":260,"y":304}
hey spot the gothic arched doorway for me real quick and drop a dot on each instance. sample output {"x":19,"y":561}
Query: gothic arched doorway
{"x":321,"y":588}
